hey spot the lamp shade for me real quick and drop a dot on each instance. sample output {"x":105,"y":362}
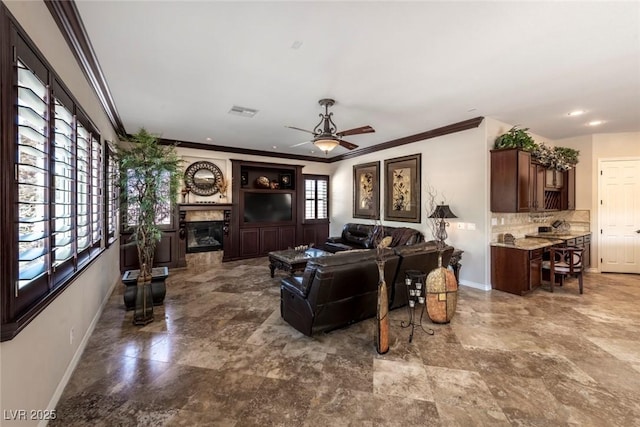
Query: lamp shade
{"x":326,"y":144}
{"x":442,"y":211}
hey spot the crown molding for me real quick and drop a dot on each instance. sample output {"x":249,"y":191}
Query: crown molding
{"x":67,"y":17}
{"x":246,"y":151}
{"x":433,"y":133}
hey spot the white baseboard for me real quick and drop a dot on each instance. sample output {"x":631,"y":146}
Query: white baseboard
{"x":480,"y":286}
{"x":76,"y":357}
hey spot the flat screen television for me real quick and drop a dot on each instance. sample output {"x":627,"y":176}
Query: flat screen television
{"x":267,"y":207}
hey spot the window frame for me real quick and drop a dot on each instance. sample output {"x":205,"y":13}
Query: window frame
{"x":23,"y":302}
{"x":315,"y":178}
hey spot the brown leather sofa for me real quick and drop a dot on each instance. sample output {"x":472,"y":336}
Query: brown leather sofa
{"x":365,"y":236}
{"x":335,"y":291}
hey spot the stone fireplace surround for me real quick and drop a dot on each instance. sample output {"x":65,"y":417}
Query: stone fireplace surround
{"x":190,"y":212}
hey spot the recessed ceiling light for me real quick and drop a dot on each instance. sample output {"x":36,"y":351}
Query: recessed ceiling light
{"x":595,"y":123}
{"x":208,"y":139}
{"x":575,"y":113}
{"x":243,"y":111}
{"x":275,"y":146}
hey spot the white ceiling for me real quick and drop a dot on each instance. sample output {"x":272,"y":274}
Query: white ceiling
{"x":178,"y":67}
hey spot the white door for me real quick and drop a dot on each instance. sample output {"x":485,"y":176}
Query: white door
{"x":619,"y":215}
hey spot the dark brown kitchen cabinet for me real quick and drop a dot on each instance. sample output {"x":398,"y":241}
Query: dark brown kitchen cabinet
{"x":519,"y":184}
{"x":569,"y":190}
{"x":536,"y":187}
{"x":510,"y":180}
{"x":514,"y":270}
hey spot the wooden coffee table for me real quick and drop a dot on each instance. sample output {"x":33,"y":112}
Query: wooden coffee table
{"x":292,"y":260}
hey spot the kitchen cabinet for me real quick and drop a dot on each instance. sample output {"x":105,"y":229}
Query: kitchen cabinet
{"x":516,"y":270}
{"x":519,"y":184}
{"x":510,"y":180}
{"x":536,"y":187}
{"x":553,"y":179}
{"x":569,"y":190}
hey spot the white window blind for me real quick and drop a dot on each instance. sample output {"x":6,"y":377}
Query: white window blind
{"x":82,"y":194}
{"x":63,"y":184}
{"x":96,"y":190}
{"x":32,"y":177}
{"x":316,"y":193}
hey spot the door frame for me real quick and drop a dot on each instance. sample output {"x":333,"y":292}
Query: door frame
{"x":599,"y":198}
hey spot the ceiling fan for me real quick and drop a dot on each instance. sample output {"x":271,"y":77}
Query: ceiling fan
{"x":325,"y":136}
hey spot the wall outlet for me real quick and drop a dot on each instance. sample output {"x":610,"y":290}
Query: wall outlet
{"x":461,"y":225}
{"x":494,"y":221}
{"x":471,"y":226}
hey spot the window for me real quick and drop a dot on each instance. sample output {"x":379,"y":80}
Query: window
{"x":112,"y":196}
{"x":135,"y":183}
{"x":316,"y":197}
{"x":57,"y":225}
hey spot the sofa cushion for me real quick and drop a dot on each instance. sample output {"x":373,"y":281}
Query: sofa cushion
{"x":358,"y":234}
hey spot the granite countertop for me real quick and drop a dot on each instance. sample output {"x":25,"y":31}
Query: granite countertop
{"x":530,"y":243}
{"x":559,"y":235}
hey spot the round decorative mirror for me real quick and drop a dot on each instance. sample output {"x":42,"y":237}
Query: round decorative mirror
{"x":203,"y":178}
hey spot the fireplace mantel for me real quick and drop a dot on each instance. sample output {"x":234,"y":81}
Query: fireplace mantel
{"x":189,"y":210}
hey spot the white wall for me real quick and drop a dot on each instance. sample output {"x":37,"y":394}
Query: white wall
{"x":37,"y":363}
{"x":456,"y":166}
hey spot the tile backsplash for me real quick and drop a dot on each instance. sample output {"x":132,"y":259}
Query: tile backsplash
{"x":520,"y":224}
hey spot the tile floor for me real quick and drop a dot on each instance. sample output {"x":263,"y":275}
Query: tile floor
{"x":218,"y":354}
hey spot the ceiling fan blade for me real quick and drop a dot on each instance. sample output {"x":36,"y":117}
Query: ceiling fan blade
{"x":299,"y":144}
{"x":356,"y":131}
{"x":347,"y":144}
{"x":303,"y":130}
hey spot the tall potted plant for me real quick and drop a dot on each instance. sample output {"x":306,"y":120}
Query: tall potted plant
{"x":149,"y":178}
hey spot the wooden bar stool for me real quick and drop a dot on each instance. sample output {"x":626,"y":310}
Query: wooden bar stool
{"x":564,"y":261}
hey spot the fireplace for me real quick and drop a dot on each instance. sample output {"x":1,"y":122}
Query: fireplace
{"x":204,"y":236}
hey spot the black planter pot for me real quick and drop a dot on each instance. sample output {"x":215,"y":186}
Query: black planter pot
{"x":158,"y":287}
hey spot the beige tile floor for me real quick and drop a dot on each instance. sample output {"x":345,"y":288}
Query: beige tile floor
{"x":218,"y":354}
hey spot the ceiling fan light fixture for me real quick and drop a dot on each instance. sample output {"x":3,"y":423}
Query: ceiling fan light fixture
{"x":326,"y":144}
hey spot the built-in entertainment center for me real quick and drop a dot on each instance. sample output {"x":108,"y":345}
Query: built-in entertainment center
{"x":269,"y":217}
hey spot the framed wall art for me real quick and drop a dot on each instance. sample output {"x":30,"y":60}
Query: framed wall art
{"x":402,"y":188}
{"x":366,"y":190}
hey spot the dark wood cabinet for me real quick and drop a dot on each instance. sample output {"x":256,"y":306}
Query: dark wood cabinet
{"x":519,"y":184}
{"x":167,"y":251}
{"x":510,"y":180}
{"x":514,"y":270}
{"x":316,"y":234}
{"x":569,"y":190}
{"x":269,"y":198}
{"x":536,"y":187}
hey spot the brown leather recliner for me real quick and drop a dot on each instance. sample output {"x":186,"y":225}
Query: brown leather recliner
{"x":335,"y":291}
{"x":338,"y":290}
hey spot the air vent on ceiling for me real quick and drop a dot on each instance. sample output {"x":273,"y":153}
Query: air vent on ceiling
{"x":242,"y":111}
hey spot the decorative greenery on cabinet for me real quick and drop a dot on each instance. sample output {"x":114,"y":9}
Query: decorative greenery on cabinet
{"x":558,"y":158}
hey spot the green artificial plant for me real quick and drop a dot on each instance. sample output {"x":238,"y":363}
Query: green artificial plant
{"x":558,"y":158}
{"x":516,"y":138}
{"x":149,"y":178}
